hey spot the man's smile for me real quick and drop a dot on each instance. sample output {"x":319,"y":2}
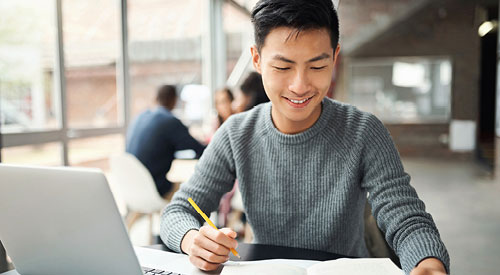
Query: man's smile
{"x":298,"y":102}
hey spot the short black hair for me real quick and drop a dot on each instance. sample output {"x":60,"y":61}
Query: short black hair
{"x":253,"y":87}
{"x":297,"y":14}
{"x":166,"y":95}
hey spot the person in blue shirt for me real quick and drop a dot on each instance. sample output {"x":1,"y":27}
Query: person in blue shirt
{"x":156,"y":134}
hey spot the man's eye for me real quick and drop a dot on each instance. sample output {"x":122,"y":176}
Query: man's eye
{"x":281,"y":68}
{"x":318,"y":68}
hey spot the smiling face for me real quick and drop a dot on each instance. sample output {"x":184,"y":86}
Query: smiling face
{"x":296,"y":72}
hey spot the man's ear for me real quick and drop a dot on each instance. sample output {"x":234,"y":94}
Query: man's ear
{"x":255,"y":58}
{"x":336,"y":54}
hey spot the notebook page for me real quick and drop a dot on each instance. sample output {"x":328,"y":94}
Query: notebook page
{"x":267,"y":268}
{"x":371,"y":266}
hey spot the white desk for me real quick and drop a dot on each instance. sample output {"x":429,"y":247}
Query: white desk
{"x":256,"y":254}
{"x":159,"y":259}
{"x":180,"y":263}
{"x":181,"y":170}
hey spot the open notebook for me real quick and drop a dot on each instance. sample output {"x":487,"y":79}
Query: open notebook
{"x":372,"y":266}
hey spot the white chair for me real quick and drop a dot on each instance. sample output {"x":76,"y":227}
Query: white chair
{"x":136,"y":188}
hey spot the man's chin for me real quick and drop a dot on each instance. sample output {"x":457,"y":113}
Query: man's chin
{"x":299,"y":118}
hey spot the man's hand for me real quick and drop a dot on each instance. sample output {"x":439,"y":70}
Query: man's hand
{"x":429,"y":266}
{"x":208,"y":248}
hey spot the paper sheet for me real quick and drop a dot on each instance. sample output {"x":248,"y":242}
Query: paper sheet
{"x":372,"y":266}
{"x":297,"y":267}
{"x":168,"y":261}
{"x":180,"y":263}
{"x":262,"y":269}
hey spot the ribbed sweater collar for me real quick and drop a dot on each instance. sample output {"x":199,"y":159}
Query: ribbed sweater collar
{"x":318,"y":126}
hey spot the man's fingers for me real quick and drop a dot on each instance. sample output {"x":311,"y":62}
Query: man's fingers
{"x":202,"y":264}
{"x":208,"y":248}
{"x":211,"y":257}
{"x":229,"y":232}
{"x":206,"y":243}
{"x":218,"y":237}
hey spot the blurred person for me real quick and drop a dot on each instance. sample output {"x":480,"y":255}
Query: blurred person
{"x":156,"y":134}
{"x":223,"y":104}
{"x":305,"y":163}
{"x":252,"y":93}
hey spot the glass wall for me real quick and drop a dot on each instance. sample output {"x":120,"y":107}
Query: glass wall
{"x":68,"y":93}
{"x":164,"y":48}
{"x":28,"y":101}
{"x":91,"y":48}
{"x":402,"y":90}
{"x":48,"y":154}
{"x":95,"y":151}
{"x":238,"y":31}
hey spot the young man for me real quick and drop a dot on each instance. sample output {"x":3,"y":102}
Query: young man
{"x":304,"y":163}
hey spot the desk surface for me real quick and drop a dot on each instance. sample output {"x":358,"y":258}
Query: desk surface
{"x":255,"y":252}
{"x":181,"y":170}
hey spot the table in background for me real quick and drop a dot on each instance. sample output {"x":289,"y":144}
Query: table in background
{"x":181,"y":170}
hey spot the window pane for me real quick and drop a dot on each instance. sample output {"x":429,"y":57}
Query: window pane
{"x":27,"y":46}
{"x":95,"y":151}
{"x":239,"y":34}
{"x":47,"y":154}
{"x":91,"y":48}
{"x":164,"y":47}
{"x":403,"y":90}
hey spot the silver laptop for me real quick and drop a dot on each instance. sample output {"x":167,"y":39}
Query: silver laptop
{"x":63,"y":221}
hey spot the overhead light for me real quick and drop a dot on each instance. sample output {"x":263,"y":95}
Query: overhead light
{"x":486,"y":27}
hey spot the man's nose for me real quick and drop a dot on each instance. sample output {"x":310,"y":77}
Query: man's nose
{"x":300,"y":84}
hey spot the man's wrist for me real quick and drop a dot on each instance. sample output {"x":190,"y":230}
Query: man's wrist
{"x":432,"y":263}
{"x":187,"y":240}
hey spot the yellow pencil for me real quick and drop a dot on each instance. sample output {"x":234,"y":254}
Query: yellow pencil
{"x":191,"y":201}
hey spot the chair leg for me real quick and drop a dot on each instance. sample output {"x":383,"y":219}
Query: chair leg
{"x":150,"y":216}
{"x":132,"y":218}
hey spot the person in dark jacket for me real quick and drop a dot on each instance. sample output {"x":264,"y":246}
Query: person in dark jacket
{"x":156,"y":134}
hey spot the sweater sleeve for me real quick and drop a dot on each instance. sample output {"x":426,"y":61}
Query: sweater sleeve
{"x":409,"y":229}
{"x":214,"y":176}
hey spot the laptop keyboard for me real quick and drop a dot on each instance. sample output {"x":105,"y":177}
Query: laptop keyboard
{"x":151,"y":271}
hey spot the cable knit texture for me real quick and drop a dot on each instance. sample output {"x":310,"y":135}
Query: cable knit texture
{"x":308,"y":190}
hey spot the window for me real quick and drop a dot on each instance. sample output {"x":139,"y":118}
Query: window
{"x":238,"y":32}
{"x":402,"y":90}
{"x":91,"y":47}
{"x":48,"y":154}
{"x":95,"y":151}
{"x":28,"y":101}
{"x":164,"y":47}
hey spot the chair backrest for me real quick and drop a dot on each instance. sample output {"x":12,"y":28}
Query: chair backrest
{"x":134,"y":184}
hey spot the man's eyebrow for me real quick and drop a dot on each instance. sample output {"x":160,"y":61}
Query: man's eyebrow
{"x":314,"y":59}
{"x":319,"y":57}
{"x":282,"y":58}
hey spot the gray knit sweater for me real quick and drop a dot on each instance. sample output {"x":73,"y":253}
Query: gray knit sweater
{"x":309,"y":190}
